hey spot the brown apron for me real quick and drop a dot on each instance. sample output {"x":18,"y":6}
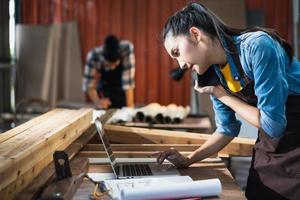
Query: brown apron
{"x":275,"y":167}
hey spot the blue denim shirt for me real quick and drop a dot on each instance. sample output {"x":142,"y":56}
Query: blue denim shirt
{"x":275,"y":77}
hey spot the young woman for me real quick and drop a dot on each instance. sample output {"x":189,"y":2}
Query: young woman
{"x":259,"y":80}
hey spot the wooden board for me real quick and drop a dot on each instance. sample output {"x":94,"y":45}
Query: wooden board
{"x":36,"y":144}
{"x":15,"y":131}
{"x":47,"y":173}
{"x":130,"y":135}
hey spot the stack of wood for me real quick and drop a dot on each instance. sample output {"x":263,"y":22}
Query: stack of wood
{"x":27,"y":149}
{"x":156,"y":113}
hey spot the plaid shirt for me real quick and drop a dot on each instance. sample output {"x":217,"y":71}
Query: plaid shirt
{"x":95,"y":60}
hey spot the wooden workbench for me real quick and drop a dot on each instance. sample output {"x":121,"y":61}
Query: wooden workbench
{"x":198,"y":171}
{"x":31,"y":172}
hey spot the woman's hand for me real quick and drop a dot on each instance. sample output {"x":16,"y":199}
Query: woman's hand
{"x":174,"y":157}
{"x":218,"y":91}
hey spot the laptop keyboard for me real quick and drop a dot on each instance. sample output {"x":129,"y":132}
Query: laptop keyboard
{"x":135,"y":170}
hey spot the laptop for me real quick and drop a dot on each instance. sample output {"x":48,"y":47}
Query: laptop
{"x":133,"y":169}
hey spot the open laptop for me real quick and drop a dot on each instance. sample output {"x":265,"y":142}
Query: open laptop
{"x":131,"y":169}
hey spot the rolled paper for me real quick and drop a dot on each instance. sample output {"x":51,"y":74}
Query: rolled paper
{"x":139,"y":116}
{"x":202,"y":188}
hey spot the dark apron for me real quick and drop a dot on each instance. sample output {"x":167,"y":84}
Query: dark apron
{"x":110,"y":86}
{"x":275,"y":168}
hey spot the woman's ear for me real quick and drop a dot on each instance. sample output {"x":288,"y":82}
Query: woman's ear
{"x":195,"y":34}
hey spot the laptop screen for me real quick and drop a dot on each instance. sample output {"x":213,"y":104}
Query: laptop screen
{"x":105,"y":142}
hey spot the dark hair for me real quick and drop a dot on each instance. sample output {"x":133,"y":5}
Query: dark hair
{"x":111,"y":51}
{"x":195,"y":14}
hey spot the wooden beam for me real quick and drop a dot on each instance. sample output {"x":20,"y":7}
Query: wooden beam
{"x":40,"y":144}
{"x":42,"y":173}
{"x":130,"y":135}
{"x":121,"y":154}
{"x":27,"y":125}
{"x":141,"y":147}
{"x":40,"y":180}
{"x":48,"y":172}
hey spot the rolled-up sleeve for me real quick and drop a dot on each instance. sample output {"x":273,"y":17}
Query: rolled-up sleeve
{"x":225,"y":118}
{"x":89,"y":75}
{"x":128,"y":77}
{"x":271,"y":88}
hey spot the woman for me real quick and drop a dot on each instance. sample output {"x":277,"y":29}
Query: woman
{"x":259,"y":80}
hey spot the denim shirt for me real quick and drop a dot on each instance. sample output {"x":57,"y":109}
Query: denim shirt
{"x":275,"y":77}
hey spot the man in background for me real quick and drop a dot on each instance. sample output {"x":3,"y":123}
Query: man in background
{"x":109,"y":74}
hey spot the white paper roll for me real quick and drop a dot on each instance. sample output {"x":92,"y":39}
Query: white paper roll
{"x":203,"y":188}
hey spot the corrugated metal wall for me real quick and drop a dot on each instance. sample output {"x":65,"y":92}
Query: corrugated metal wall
{"x":278,"y":15}
{"x":140,"y":21}
{"x":137,"y":20}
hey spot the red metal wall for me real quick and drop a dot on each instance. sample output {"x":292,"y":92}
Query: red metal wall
{"x":141,"y":22}
{"x":278,"y":15}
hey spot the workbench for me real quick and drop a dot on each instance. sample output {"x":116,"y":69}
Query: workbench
{"x":198,"y":171}
{"x":27,"y":169}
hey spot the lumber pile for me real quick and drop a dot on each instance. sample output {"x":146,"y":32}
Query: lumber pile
{"x":27,"y":149}
{"x":164,"y":139}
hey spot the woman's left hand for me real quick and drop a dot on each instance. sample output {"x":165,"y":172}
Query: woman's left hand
{"x":218,"y":91}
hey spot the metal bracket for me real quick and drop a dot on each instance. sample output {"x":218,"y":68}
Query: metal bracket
{"x":62,"y":165}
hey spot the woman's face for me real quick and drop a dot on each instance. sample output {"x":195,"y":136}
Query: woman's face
{"x":189,"y":53}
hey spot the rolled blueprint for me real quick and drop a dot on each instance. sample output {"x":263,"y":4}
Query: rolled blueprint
{"x":202,"y":188}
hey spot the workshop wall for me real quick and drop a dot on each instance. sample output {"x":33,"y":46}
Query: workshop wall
{"x":141,"y":21}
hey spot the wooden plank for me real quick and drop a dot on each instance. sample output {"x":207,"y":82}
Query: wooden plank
{"x":26,"y":137}
{"x":23,"y":127}
{"x":16,"y":165}
{"x":22,"y":179}
{"x":122,"y":154}
{"x":141,"y":147}
{"x":42,"y":173}
{"x":129,"y":135}
{"x":73,"y":64}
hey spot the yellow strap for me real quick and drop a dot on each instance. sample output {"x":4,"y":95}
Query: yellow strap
{"x":233,"y":85}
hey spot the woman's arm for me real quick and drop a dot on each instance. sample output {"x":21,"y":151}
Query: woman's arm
{"x":246,"y":111}
{"x":214,"y":144}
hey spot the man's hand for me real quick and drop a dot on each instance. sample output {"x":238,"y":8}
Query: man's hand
{"x":103,"y":103}
{"x":173,"y":156}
